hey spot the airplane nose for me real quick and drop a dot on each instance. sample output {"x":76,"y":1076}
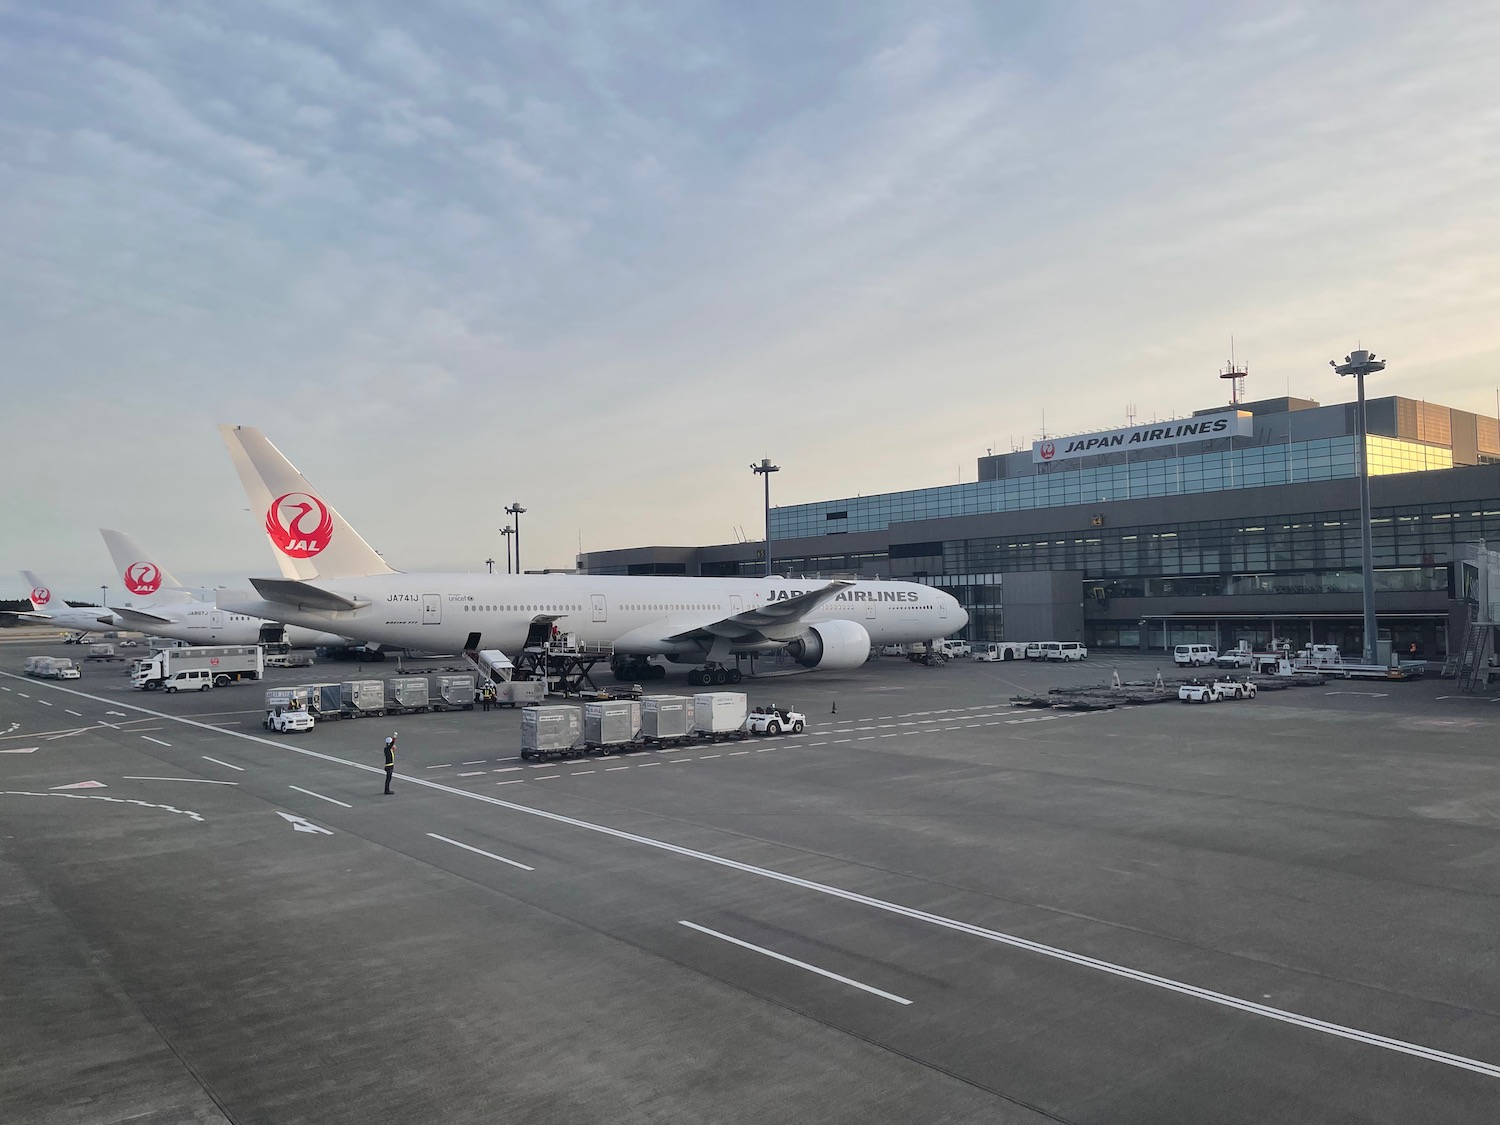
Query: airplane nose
{"x":959,"y":614}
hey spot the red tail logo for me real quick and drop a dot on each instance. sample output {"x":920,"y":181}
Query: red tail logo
{"x":142,"y":578}
{"x":41,"y":596}
{"x":1048,"y":450}
{"x":299,"y":524}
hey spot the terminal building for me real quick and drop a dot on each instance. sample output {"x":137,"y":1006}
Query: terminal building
{"x":1237,"y":523}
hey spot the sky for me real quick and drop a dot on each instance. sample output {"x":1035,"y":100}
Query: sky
{"x":598,"y":258}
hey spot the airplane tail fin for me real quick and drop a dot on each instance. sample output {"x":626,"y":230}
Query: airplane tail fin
{"x":308,"y":537}
{"x":41,"y":596}
{"x":138,"y":572}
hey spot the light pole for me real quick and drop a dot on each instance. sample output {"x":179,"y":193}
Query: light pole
{"x":765,"y":469}
{"x":507,"y":531}
{"x":517,"y":512}
{"x":104,"y":596}
{"x":1360,"y":363}
{"x":490,"y":563}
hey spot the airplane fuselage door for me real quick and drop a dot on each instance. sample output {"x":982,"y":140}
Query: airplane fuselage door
{"x":216,"y":620}
{"x":432,"y":609}
{"x":601,"y":608}
{"x":942,"y":609}
{"x":869,"y":611}
{"x":736,"y":604}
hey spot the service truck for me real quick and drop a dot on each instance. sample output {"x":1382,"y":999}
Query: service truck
{"x":225,"y":664}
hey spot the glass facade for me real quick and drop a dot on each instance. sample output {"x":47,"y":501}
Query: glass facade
{"x":1293,"y":463}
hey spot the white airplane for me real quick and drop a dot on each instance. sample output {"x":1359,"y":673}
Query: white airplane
{"x":173,"y":611}
{"x":333,"y":579}
{"x":49,"y":609}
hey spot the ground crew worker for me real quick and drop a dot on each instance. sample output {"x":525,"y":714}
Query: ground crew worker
{"x":487,"y":697}
{"x":390,"y":761}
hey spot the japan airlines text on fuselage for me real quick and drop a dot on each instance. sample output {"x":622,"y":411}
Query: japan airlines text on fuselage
{"x":633,"y":614}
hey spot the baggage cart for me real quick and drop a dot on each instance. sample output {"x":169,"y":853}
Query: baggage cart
{"x":720,"y":715}
{"x":406,"y":695}
{"x":666,"y":718}
{"x":454,"y":692}
{"x":520,"y":693}
{"x":610,"y":725}
{"x":358,"y":698}
{"x":550,"y":730}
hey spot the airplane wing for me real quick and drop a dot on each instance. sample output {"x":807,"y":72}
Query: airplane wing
{"x":779,"y":620}
{"x":303,"y":595}
{"x":139,"y":617}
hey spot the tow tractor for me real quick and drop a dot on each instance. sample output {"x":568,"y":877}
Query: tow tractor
{"x":774,"y":720}
{"x":286,"y":720}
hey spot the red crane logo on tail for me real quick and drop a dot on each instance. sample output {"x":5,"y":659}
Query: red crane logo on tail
{"x":41,"y":596}
{"x":299,"y":524}
{"x":143,"y":578}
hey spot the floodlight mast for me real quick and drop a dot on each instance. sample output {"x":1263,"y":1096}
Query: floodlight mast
{"x":765,"y":469}
{"x":1360,"y":363}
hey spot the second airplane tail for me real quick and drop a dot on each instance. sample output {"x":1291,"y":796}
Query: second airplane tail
{"x":139,"y":573}
{"x":308,"y":536}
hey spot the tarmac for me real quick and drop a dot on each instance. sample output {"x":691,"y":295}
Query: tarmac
{"x":931,"y":906}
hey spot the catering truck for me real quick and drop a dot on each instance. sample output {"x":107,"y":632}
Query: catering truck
{"x":224,"y":664}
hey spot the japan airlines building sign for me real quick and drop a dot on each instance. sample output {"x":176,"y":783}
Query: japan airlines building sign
{"x":1204,"y":427}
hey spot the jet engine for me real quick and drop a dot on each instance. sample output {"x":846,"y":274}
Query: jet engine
{"x":837,"y":645}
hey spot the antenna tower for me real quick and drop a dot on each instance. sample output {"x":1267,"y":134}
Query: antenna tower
{"x":1236,"y":376}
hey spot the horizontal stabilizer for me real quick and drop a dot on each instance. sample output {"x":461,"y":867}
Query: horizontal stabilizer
{"x":304,"y":595}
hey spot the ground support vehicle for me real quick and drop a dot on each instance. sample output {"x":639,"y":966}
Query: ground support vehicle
{"x":1000,"y":650}
{"x":289,"y":719}
{"x":923,"y":653}
{"x":720,"y":715}
{"x":775,"y":720}
{"x":52,"y":668}
{"x":1064,"y":651}
{"x":611,"y":725}
{"x":358,"y":698}
{"x":551,"y":730}
{"x":1230,"y":688}
{"x":1194,"y":656}
{"x":225,"y":664}
{"x":406,"y":695}
{"x":666,"y":719}
{"x":280,"y":655}
{"x":519,"y":693}
{"x":956,"y":650}
{"x":1200,"y":691}
{"x":1236,"y":658}
{"x":453,"y":693}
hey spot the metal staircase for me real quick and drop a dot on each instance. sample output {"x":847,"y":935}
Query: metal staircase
{"x":1470,"y":663}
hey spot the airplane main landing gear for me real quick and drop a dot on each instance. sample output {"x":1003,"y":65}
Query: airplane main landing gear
{"x":636,"y":669}
{"x":715,"y":674}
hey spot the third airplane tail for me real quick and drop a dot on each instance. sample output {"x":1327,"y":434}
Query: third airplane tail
{"x":309,"y":538}
{"x":41,"y":596}
{"x":139,"y":573}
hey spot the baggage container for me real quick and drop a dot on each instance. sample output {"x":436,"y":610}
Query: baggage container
{"x":718,"y":713}
{"x":325,"y":700}
{"x":549,"y":730}
{"x":406,"y":693}
{"x":362,"y":697}
{"x":611,"y":722}
{"x":454,"y":692}
{"x":665,"y":718}
{"x":278,"y":698}
{"x":520,"y":693}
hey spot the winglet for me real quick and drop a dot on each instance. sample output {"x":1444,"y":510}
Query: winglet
{"x":308,"y":536}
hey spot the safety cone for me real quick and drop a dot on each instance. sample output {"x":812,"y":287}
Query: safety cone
{"x":835,"y":710}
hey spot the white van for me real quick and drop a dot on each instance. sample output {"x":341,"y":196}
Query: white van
{"x":1191,"y":656}
{"x":1064,"y":650}
{"x":955,"y":650}
{"x":192,"y":679}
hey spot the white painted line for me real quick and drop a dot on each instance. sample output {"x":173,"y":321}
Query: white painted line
{"x":706,"y":757}
{"x":475,"y":773}
{"x":793,"y":961}
{"x":481,"y":851}
{"x":216,"y":762}
{"x":158,"y":741}
{"x":672,"y":750}
{"x":836,"y":741}
{"x":680,"y":761}
{"x":120,"y":713}
{"x":547,"y":777}
{"x":581,"y":773}
{"x":646,"y":765}
{"x":617,"y":769}
{"x":864,"y":738}
{"x":513,"y":781}
{"x":4,"y":689}
{"x":817,"y":744}
{"x":765,"y":749}
{"x":44,"y":703}
{"x":1489,"y":1070}
{"x":737,"y":753}
{"x":22,"y":750}
{"x":319,"y":796}
{"x":194,"y":780}
{"x":478,"y":763}
{"x":444,"y":766}
{"x":23,"y":695}
{"x":70,"y":711}
{"x":506,"y":769}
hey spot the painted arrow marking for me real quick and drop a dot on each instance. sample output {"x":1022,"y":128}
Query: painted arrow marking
{"x":25,"y":750}
{"x":83,"y":785}
{"x":301,"y":824}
